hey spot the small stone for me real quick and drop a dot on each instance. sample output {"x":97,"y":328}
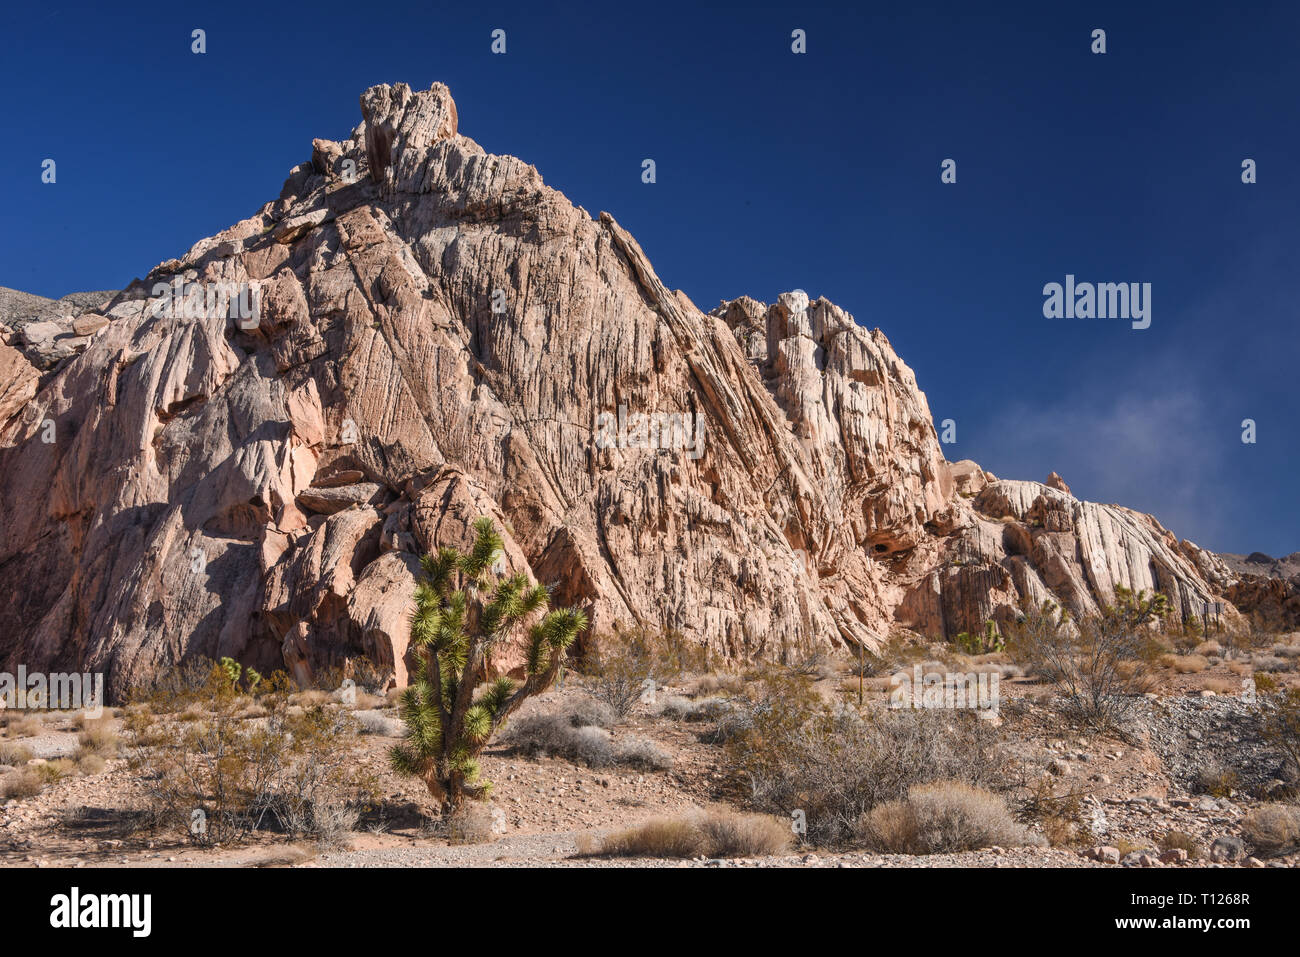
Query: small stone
{"x":1175,"y":855}
{"x":1104,"y":853}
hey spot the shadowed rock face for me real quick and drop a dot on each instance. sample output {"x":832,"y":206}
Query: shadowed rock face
{"x":449,"y":338}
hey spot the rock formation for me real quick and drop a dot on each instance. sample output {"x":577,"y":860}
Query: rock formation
{"x":446,"y":338}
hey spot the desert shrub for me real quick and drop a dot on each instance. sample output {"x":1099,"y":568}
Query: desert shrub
{"x":716,"y":834}
{"x":370,"y":678}
{"x":1059,"y":816}
{"x":1215,"y":780}
{"x":1210,"y":649}
{"x":942,"y":817}
{"x":218,"y":777}
{"x":89,"y":763}
{"x":372,"y":722}
{"x":626,"y":667}
{"x":98,"y":736}
{"x":470,"y":823}
{"x":1189,"y":664}
{"x":176,"y":687}
{"x":555,"y":733}
{"x":332,"y":821}
{"x":1273,"y":828}
{"x":55,"y":771}
{"x":712,"y":684}
{"x":27,"y":783}
{"x":14,"y":754}
{"x":641,"y":753}
{"x":25,"y":726}
{"x":662,"y":837}
{"x":834,"y":763}
{"x":311,"y":698}
{"x":676,"y":708}
{"x":1096,"y":664}
{"x":590,"y":712}
{"x":684,"y":709}
{"x":732,"y":834}
{"x":813,"y":663}
{"x":1181,"y":841}
{"x":1282,"y":722}
{"x":465,"y":609}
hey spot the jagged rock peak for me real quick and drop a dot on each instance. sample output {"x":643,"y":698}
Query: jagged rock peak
{"x":440,"y":336}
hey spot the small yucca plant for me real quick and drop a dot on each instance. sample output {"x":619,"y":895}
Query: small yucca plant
{"x":464,"y":608}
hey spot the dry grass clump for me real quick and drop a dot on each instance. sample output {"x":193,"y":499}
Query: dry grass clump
{"x":730,"y":834}
{"x":1223,"y":686}
{"x":1210,"y":649}
{"x":1185,"y":664}
{"x":98,"y":736}
{"x":26,"y":726}
{"x":14,"y":754}
{"x":662,"y":837}
{"x":718,"y":834}
{"x":943,"y":817}
{"x":313,"y":698}
{"x":90,"y":764}
{"x":713,"y":684}
{"x":1181,"y":841}
{"x":27,"y":783}
{"x":1273,"y":828}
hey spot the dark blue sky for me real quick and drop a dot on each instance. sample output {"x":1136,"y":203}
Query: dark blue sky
{"x":778,"y":171}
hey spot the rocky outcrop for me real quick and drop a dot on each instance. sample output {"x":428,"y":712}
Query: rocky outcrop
{"x":446,"y":337}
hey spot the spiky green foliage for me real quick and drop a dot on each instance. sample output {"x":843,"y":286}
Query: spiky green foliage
{"x":465,"y":607}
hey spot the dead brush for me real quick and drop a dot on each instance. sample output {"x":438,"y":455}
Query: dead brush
{"x":1273,"y":829}
{"x":1059,"y":816}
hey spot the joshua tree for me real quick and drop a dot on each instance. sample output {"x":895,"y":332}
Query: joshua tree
{"x":466,"y":607}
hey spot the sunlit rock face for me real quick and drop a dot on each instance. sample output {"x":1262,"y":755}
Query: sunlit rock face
{"x":436,"y":335}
